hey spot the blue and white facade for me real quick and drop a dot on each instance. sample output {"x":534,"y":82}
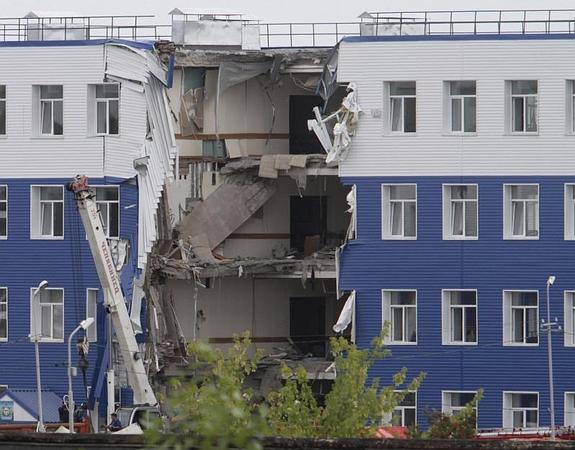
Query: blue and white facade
{"x":464,"y":168}
{"x":73,"y":107}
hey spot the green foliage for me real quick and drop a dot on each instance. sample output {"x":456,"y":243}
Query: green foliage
{"x":212,"y":411}
{"x":461,"y":425}
{"x":350,"y":406}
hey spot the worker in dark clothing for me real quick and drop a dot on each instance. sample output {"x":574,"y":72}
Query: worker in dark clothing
{"x":63,"y":412}
{"x":115,"y":424}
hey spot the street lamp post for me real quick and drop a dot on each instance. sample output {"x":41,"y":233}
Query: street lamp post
{"x":550,"y":282}
{"x":72,"y":370}
{"x":35,"y":337}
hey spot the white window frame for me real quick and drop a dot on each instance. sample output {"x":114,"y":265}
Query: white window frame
{"x":386,"y":216}
{"x":5,"y":289}
{"x":569,"y":413}
{"x":508,"y":324}
{"x":508,"y":212}
{"x":447,"y":317}
{"x":401,"y":409}
{"x":448,"y":128}
{"x":108,"y":202}
{"x":569,"y":211}
{"x":5,"y":236}
{"x":389,"y":109}
{"x":508,"y":409}
{"x":568,"y":318}
{"x":3,"y":103}
{"x":511,"y":108}
{"x":42,"y":338}
{"x":447,"y":212}
{"x":387,"y":315}
{"x":36,"y":216}
{"x":92,"y":331}
{"x":93,"y":101}
{"x":39,"y":106}
{"x":446,"y":407}
{"x":569,"y":107}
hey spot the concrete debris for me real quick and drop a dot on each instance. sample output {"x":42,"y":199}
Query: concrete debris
{"x":271,"y":164}
{"x":232,"y":203}
{"x":309,"y":267}
{"x":346,"y":118}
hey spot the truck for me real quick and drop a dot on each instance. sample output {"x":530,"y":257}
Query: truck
{"x":144,"y":397}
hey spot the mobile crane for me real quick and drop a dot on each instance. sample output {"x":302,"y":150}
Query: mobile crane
{"x":113,"y":296}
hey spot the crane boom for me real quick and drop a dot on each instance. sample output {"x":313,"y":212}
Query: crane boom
{"x":113,"y":296}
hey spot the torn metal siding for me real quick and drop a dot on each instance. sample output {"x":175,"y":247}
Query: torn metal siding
{"x":151,"y":157}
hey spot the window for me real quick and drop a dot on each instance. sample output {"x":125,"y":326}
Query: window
{"x":460,"y":211}
{"x":405,"y":413}
{"x":3,"y":212}
{"x":91,"y":311}
{"x":569,"y":420}
{"x":455,"y":401}
{"x":51,"y":110}
{"x":523,"y":106}
{"x":520,"y":318}
{"x":107,"y":108}
{"x":520,"y":409}
{"x":569,"y":208}
{"x":108,"y":202}
{"x":399,"y":211}
{"x":3,"y":314}
{"x":569,"y":317}
{"x":459,"y":312}
{"x":400,"y":310}
{"x":521,"y":211}
{"x":462,"y":106}
{"x":2,"y":109}
{"x":50,"y":304}
{"x":402,"y":106}
{"x":47,"y":212}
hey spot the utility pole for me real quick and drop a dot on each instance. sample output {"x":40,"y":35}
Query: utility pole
{"x":550,"y":282}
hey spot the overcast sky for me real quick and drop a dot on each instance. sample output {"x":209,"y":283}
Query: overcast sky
{"x":267,"y":10}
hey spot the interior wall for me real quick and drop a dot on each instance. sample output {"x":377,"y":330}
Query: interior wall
{"x":274,"y":219}
{"x":243,"y":108}
{"x":262,"y":306}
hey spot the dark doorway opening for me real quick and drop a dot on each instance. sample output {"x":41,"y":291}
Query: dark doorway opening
{"x":307,"y":325}
{"x":301,"y":140}
{"x":308,"y":223}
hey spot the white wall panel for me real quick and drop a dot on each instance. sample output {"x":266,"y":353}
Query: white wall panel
{"x":24,"y":155}
{"x":431,"y":152}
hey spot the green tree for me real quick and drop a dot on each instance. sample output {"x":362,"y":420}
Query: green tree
{"x":212,"y":411}
{"x":353,"y":407}
{"x":460,"y":425}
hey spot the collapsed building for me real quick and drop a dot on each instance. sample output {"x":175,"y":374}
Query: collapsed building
{"x":254,"y":220}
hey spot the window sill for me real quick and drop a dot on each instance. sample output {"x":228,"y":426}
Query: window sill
{"x":47,"y":136}
{"x":527,"y":238}
{"x":399,"y":343}
{"x":46,"y":238}
{"x":459,"y":344}
{"x":397,"y":133}
{"x":50,"y":341}
{"x":464,"y":238}
{"x":526,"y":133}
{"x":521,"y":345}
{"x":463,"y":134}
{"x":3,"y":340}
{"x":115,"y":136}
{"x":3,"y":238}
{"x":392,"y":238}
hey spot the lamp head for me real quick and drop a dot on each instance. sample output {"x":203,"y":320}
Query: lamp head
{"x":551,"y":280}
{"x":87,"y":322}
{"x":43,"y":285}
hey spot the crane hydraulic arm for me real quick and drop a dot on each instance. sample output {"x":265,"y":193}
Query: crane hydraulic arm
{"x":113,"y":296}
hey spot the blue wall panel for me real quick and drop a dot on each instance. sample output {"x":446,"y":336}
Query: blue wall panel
{"x":490,"y":265}
{"x":66,"y":264}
